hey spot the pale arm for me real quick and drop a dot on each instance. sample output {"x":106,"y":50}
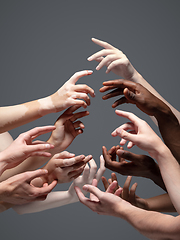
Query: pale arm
{"x":60,"y":198}
{"x":67,"y":127}
{"x":144,"y":137}
{"x":69,"y":94}
{"x":153,"y":225}
{"x":117,"y":62}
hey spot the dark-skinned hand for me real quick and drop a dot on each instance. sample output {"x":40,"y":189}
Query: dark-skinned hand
{"x":137,"y":165}
{"x":136,"y":94}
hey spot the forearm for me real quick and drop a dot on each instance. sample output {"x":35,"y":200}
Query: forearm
{"x":161,"y":203}
{"x":15,"y":116}
{"x":170,"y":171}
{"x":170,"y":130}
{"x":53,"y":200}
{"x":30,"y":164}
{"x":4,"y":206}
{"x":152,"y":224}
{"x":139,"y":79}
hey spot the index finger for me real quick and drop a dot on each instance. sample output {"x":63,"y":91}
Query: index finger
{"x":37,"y":131}
{"x":78,"y":75}
{"x":102,"y":43}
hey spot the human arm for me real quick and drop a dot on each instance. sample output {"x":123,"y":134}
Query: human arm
{"x":135,"y":93}
{"x":152,"y":224}
{"x":160,"y":203}
{"x":145,"y":138}
{"x":69,"y":94}
{"x":19,"y":190}
{"x":137,"y":165}
{"x":67,"y":128}
{"x":60,"y":198}
{"x":23,"y":147}
{"x":63,"y":167}
{"x":117,"y":62}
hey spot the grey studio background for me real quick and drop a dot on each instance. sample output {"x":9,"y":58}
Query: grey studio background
{"x":42,"y":44}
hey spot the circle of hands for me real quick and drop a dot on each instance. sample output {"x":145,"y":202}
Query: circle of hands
{"x":82,"y":170}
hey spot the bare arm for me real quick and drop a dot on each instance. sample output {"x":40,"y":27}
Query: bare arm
{"x":153,"y":225}
{"x":69,"y":94}
{"x":60,"y":198}
{"x":117,"y":62}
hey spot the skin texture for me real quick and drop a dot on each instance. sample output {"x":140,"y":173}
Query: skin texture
{"x":23,"y":147}
{"x":127,"y":194}
{"x":19,"y":190}
{"x":109,"y":203}
{"x":161,"y":203}
{"x":68,"y":95}
{"x":144,"y":137}
{"x":65,"y":167}
{"x":137,"y":165}
{"x":135,"y":93}
{"x":117,"y":62}
{"x":67,"y":128}
{"x":60,"y":198}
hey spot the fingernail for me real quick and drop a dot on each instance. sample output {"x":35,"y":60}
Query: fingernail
{"x":89,"y":72}
{"x":85,"y":187}
{"x":89,"y":58}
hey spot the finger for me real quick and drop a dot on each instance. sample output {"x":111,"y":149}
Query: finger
{"x":126,"y":188}
{"x":112,"y":187}
{"x":85,"y":175}
{"x":133,"y":118}
{"x":76,"y":173}
{"x":118,"y":192}
{"x":102,"y":43}
{"x":113,"y":177}
{"x":83,"y":96}
{"x":37,"y":131}
{"x":93,"y":169}
{"x":84,"y":89}
{"x":120,"y":157}
{"x":93,"y":190}
{"x":110,"y":60}
{"x":105,"y":182}
{"x":87,"y":202}
{"x":101,"y":53}
{"x":132,"y":195}
{"x":78,"y":75}
{"x":101,"y":169}
{"x":113,"y":93}
{"x":29,"y":176}
{"x":117,"y":62}
{"x":46,"y":189}
{"x":71,"y":161}
{"x":78,"y":124}
{"x":79,"y":115}
{"x":119,"y":102}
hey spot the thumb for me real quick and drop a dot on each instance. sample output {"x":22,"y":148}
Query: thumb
{"x":129,"y":95}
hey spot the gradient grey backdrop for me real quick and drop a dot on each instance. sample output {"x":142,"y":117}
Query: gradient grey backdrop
{"x":42,"y":43}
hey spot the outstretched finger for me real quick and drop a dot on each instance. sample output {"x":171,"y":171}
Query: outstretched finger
{"x":78,"y":75}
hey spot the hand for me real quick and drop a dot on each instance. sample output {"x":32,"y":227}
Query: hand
{"x":19,"y":190}
{"x":141,"y":134}
{"x":126,"y":194}
{"x":137,"y":165}
{"x":67,"y":129}
{"x":105,"y":203}
{"x":70,"y":94}
{"x":23,"y":147}
{"x":115,"y":60}
{"x":87,"y":177}
{"x":136,"y":94}
{"x":65,"y":167}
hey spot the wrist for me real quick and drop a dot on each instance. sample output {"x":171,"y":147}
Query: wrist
{"x":3,"y":163}
{"x":46,"y":106}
